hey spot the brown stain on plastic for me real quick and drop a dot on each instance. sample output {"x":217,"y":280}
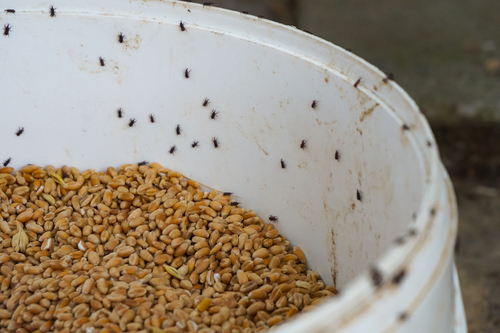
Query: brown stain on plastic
{"x":333,"y":255}
{"x":367,"y":113}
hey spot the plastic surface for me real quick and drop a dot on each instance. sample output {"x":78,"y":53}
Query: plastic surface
{"x":261,"y":78}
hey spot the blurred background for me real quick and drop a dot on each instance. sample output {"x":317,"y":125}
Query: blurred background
{"x":446,"y":55}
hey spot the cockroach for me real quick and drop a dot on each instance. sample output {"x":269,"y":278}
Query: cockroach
{"x":314,"y":104}
{"x":405,"y":127}
{"x":213,"y":114}
{"x":52,"y":11}
{"x":101,"y":61}
{"x":120,"y":113}
{"x":142,"y":163}
{"x":7,"y":161}
{"x":273,"y":218}
{"x":132,"y":122}
{"x":359,"y":196}
{"x":399,"y":277}
{"x":207,"y":4}
{"x":390,"y":76}
{"x":357,"y":83}
{"x":337,"y":155}
{"x":6,"y":29}
{"x":227,"y":193}
{"x":178,"y":130}
{"x":121,"y":38}
{"x":234,"y":203}
{"x":376,"y":276}
{"x":186,"y":73}
{"x":10,"y":11}
{"x":206,"y":102}
{"x":195,"y":144}
{"x":183,"y":28}
{"x":20,"y":131}
{"x":172,"y":149}
{"x":283,"y":164}
{"x":216,"y":143}
{"x":152,"y":118}
{"x":303,"y":144}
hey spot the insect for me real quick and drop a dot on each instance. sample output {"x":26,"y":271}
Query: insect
{"x":283,"y":164}
{"x":244,"y":12}
{"x":7,"y":161}
{"x":337,"y":155}
{"x":314,"y":104}
{"x":152,"y":118}
{"x":10,"y":11}
{"x":357,"y":82}
{"x":186,"y":73}
{"x":120,"y":113}
{"x":399,"y":277}
{"x":52,"y":11}
{"x":390,"y":76}
{"x":260,"y":16}
{"x":20,"y":131}
{"x":273,"y":218}
{"x":6,"y":29}
{"x":227,"y":193}
{"x":213,"y":114}
{"x":142,"y":163}
{"x":183,"y":28}
{"x":101,"y":61}
{"x":359,"y":195}
{"x":206,"y":102}
{"x":207,"y":4}
{"x":172,"y":149}
{"x":376,"y":276}
{"x":195,"y":144}
{"x":303,"y":144}
{"x":178,"y":130}
{"x":405,"y":127}
{"x":121,"y":37}
{"x":350,"y":50}
{"x":234,"y":203}
{"x":216,"y":143}
{"x":132,"y":122}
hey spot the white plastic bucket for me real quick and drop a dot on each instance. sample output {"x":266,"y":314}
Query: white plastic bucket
{"x":262,"y":78}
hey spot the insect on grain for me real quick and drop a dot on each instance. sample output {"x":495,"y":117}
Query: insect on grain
{"x":181,"y":25}
{"x":213,"y":114}
{"x":152,"y":118}
{"x":357,"y":83}
{"x":7,"y":161}
{"x":227,"y":193}
{"x":195,"y":144}
{"x":186,"y":73}
{"x":207,"y":4}
{"x":405,"y":127}
{"x":143,"y":163}
{"x":283,"y":164}
{"x":7,"y":29}
{"x":20,"y":131}
{"x":399,"y":277}
{"x":216,"y":143}
{"x":121,"y":38}
{"x":303,"y":144}
{"x":172,"y":149}
{"x":337,"y":155}
{"x":101,"y":61}
{"x":120,"y":113}
{"x":390,"y":76}
{"x":52,"y":11}
{"x":314,"y":104}
{"x":234,"y":203}
{"x":376,"y":276}
{"x":132,"y":122}
{"x":206,"y":102}
{"x":178,"y":130}
{"x":273,"y":218}
{"x":359,"y":195}
{"x":10,"y":11}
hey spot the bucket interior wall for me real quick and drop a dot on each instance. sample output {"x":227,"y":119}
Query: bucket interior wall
{"x":66,"y":101}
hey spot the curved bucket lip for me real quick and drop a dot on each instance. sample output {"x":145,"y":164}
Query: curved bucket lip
{"x":320,"y":53}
